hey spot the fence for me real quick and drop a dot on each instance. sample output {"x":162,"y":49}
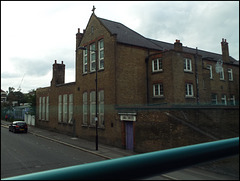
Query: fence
{"x":29,"y":119}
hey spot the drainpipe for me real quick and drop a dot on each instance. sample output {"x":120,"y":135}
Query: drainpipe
{"x":196,"y":75}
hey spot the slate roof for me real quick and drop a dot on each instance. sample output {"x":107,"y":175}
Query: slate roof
{"x":127,"y":36}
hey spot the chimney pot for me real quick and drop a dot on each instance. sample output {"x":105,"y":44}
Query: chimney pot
{"x":62,"y":62}
{"x":78,"y":30}
{"x":55,"y":61}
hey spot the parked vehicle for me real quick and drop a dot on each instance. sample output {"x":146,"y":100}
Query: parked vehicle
{"x":18,"y":126}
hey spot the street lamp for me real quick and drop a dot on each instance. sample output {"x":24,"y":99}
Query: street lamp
{"x":96,"y":116}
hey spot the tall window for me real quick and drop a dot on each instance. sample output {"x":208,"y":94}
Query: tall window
{"x":47,"y":108}
{"x":92,"y":57}
{"x":43,"y":108}
{"x":157,"y":65}
{"x":224,"y":99}
{"x":232,"y":100}
{"x":65,"y":108}
{"x":221,"y":74}
{"x":92,"y":107}
{"x":187,"y":65}
{"x":214,"y":99}
{"x":85,"y":61}
{"x":40,"y":108}
{"x":209,"y":67}
{"x":157,"y":90}
{"x":60,"y":108}
{"x":101,"y":54}
{"x":70,"y":109}
{"x":188,"y":90}
{"x":85,"y":108}
{"x":230,"y":74}
{"x":101,"y":108}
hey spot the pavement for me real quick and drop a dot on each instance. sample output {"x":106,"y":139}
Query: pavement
{"x":104,"y":151}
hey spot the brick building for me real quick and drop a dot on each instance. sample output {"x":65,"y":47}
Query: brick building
{"x":142,"y":84}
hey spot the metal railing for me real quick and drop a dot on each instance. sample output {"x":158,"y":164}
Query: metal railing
{"x":141,"y":165}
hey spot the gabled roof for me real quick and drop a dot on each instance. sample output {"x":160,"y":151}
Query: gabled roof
{"x":127,"y":36}
{"x":204,"y":54}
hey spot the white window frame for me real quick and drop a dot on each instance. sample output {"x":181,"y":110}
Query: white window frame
{"x":187,"y":65}
{"x":158,"y":63}
{"x":92,"y":57}
{"x":92,"y":107}
{"x":85,"y":108}
{"x":65,"y":106}
{"x":40,"y":108}
{"x":70,"y":109}
{"x":43,"y":108}
{"x":158,"y":90}
{"x":101,"y":54}
{"x":85,"y":60}
{"x":214,"y":99}
{"x":209,"y":67}
{"x":60,"y":108}
{"x":189,"y":90}
{"x":232,"y":100}
{"x":101,"y":122}
{"x":224,"y":99}
{"x":230,"y":74}
{"x":47,"y":108}
{"x":221,"y":74}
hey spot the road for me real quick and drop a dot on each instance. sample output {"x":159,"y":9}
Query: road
{"x":25,"y":153}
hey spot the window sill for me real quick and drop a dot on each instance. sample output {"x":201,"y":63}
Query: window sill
{"x":158,"y":97}
{"x":190,"y":97}
{"x":157,"y":71}
{"x":188,"y":71}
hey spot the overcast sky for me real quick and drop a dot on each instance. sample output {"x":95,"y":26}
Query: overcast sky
{"x":34,"y":34}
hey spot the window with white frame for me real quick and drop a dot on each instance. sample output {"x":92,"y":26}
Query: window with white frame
{"x":187,"y":65}
{"x":221,"y":74}
{"x":92,"y":57}
{"x":157,"y":65}
{"x":60,"y":108}
{"x":92,"y":107}
{"x":188,"y":90}
{"x":65,"y":108}
{"x":157,"y":90}
{"x":70,"y":109}
{"x":40,"y":108}
{"x":101,"y":54}
{"x":230,"y":74}
{"x":224,"y":99}
{"x":85,"y":108}
{"x":101,"y":108}
{"x":214,"y":98}
{"x":209,"y":67}
{"x":232,"y":100}
{"x":43,"y":108}
{"x":47,"y":108}
{"x":85,"y":60}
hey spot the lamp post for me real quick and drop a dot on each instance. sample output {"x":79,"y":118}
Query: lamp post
{"x":96,"y":116}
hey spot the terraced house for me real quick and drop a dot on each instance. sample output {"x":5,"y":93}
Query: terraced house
{"x":150,"y":94}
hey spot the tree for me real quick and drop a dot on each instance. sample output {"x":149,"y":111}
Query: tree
{"x":31,"y":98}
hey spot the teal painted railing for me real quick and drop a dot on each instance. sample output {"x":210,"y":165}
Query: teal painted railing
{"x":141,"y":165}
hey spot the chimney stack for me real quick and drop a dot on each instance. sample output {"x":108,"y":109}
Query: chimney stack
{"x":178,"y":45}
{"x":58,"y":74}
{"x":225,"y":51}
{"x":78,"y":38}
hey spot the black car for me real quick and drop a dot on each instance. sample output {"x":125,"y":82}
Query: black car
{"x":18,"y":126}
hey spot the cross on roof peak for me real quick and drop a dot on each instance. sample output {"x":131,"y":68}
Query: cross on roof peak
{"x":93,"y":9}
